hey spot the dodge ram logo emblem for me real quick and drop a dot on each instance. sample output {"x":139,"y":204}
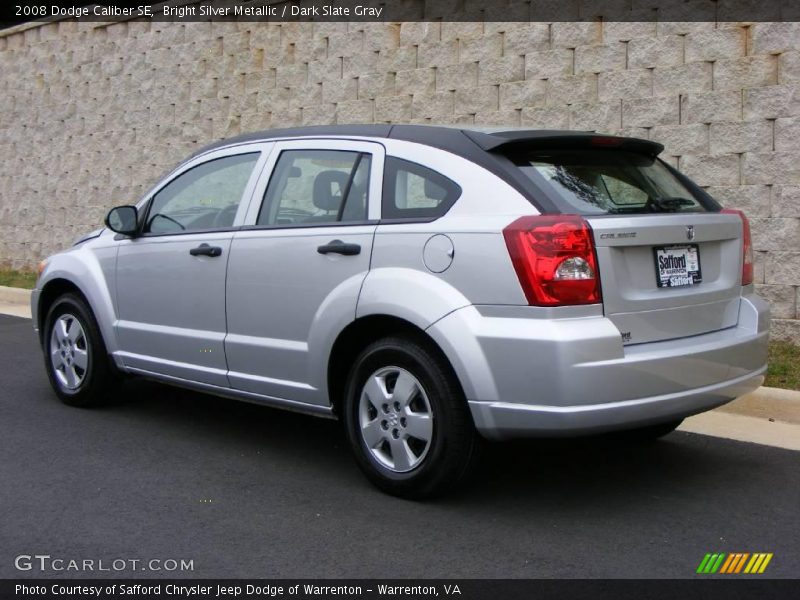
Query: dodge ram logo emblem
{"x":690,"y":232}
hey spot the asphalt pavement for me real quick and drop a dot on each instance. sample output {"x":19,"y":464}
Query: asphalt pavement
{"x":247,"y":491}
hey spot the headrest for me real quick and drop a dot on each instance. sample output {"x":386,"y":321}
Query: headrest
{"x":434,"y":191}
{"x":328,"y":189}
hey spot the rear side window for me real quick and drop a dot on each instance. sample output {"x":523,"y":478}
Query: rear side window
{"x":316,"y":186}
{"x":607,"y":181}
{"x":411,"y":191}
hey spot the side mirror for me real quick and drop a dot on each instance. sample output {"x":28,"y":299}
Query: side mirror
{"x":123,"y":219}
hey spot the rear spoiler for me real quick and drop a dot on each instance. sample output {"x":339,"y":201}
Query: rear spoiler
{"x":514,"y":140}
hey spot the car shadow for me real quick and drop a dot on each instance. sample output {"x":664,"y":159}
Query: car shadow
{"x":530,"y":473}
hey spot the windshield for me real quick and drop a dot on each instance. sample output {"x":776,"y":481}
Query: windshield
{"x":606,"y":181}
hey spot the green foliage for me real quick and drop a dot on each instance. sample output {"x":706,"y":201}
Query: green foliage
{"x":784,"y":366}
{"x":19,"y":279}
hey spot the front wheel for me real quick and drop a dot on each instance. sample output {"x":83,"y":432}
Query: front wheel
{"x":75,"y":356}
{"x":406,"y":419}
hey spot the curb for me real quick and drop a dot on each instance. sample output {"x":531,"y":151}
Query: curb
{"x":774,"y":404}
{"x":12,"y":295}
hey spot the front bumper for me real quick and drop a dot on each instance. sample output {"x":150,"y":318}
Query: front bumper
{"x":528,"y":377}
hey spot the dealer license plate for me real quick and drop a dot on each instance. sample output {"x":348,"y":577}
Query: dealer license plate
{"x":678,"y":265}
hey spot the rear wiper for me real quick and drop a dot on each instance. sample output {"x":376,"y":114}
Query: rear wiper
{"x":667,"y":204}
{"x":619,"y":210}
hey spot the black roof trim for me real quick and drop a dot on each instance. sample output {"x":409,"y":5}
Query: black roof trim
{"x":310,"y":130}
{"x":449,"y":138}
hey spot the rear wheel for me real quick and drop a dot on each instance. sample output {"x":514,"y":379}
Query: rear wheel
{"x":407,"y":420}
{"x":75,"y":356}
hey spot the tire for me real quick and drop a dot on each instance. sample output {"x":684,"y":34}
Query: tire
{"x":388,"y":434}
{"x":650,"y":433}
{"x":75,"y":356}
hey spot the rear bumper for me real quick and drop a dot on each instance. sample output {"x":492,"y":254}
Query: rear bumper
{"x":504,"y":420}
{"x":560,"y":377}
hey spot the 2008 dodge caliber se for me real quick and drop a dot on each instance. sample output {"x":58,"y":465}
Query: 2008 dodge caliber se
{"x":428,"y":286}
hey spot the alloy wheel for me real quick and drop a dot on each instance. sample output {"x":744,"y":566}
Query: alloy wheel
{"x":395,"y":418}
{"x":69,"y":352}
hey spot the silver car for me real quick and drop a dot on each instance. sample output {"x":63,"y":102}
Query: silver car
{"x":428,"y":286}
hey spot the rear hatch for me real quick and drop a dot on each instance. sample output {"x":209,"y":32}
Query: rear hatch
{"x":670,"y":263}
{"x":669,"y":276}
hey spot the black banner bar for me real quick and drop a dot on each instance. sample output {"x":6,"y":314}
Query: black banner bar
{"x":730,"y":588}
{"x":720,"y":11}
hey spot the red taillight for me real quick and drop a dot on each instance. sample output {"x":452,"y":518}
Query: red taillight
{"x":602,"y":140}
{"x":747,"y":246}
{"x":555,"y":260}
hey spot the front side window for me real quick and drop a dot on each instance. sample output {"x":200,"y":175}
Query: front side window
{"x":411,"y":191}
{"x":316,"y":186}
{"x":607,"y":181}
{"x":204,"y":197}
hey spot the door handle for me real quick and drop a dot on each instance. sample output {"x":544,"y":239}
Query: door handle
{"x":339,"y":247}
{"x":206,"y":250}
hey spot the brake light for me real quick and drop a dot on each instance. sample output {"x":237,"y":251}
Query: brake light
{"x":747,"y":246}
{"x":555,"y":260}
{"x":604,"y":140}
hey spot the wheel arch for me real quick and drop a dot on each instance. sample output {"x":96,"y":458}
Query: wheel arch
{"x":50,"y":292}
{"x":361,"y":332}
{"x":70,"y":274}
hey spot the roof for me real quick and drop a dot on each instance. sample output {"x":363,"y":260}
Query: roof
{"x":441,"y":136}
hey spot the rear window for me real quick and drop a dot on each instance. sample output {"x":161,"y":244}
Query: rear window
{"x":605,"y":181}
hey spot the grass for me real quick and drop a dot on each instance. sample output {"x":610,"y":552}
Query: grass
{"x":18,"y":279}
{"x":784,"y":366}
{"x":784,"y":357}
